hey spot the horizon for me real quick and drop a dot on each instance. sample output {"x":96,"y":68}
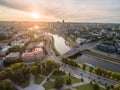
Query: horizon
{"x":95,"y":11}
{"x":66,"y":22}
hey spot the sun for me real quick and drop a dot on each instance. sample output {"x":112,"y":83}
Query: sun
{"x":35,"y":15}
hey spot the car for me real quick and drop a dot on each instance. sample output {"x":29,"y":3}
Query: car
{"x":81,"y":74}
{"x":98,"y":77}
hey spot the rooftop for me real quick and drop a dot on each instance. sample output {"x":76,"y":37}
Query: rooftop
{"x":30,"y":54}
{"x":12,"y":55}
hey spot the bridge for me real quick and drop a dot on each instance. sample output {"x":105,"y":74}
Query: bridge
{"x":73,"y":53}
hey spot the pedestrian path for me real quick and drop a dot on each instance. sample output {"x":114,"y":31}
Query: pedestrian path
{"x":17,"y":86}
{"x":33,"y":86}
{"x":32,"y":79}
{"x":47,"y":78}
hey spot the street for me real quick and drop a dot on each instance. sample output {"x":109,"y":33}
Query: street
{"x":84,"y":74}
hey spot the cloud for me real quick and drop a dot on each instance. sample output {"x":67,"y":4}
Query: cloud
{"x":14,"y":4}
{"x":68,"y":9}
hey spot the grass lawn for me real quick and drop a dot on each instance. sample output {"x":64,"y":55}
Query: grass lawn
{"x":55,"y":76}
{"x":86,"y":87}
{"x":101,"y":56}
{"x":13,"y":88}
{"x":24,"y":84}
{"x":38,"y":79}
{"x":74,"y":79}
{"x":48,"y":85}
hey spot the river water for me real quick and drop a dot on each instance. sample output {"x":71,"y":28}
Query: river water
{"x":59,"y":43}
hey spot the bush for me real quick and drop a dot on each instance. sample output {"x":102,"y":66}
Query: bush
{"x":112,"y":86}
{"x":107,"y":87}
{"x":68,"y":81}
{"x":82,"y":80}
{"x":91,"y":82}
{"x":95,"y":86}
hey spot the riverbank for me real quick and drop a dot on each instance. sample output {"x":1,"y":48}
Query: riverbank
{"x":59,"y":44}
{"x":53,"y":47}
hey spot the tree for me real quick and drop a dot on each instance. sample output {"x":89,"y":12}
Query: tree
{"x":34,"y":70}
{"x":50,"y":65}
{"x":4,"y":37}
{"x":65,"y":60}
{"x":98,"y":71}
{"x":9,"y":44}
{"x":90,"y":69}
{"x":68,"y":81}
{"x":83,"y":66}
{"x":91,"y":82}
{"x":37,"y":67}
{"x":107,"y":87}
{"x":117,"y":87}
{"x":59,"y":82}
{"x":69,"y":74}
{"x":71,"y":62}
{"x":9,"y":71}
{"x":3,"y":75}
{"x":5,"y":84}
{"x":95,"y":86}
{"x":82,"y":80}
{"x":112,"y":87}
{"x":18,"y":72}
{"x":14,"y":49}
{"x":11,"y":61}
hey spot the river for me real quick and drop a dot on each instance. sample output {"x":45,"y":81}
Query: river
{"x":59,"y":43}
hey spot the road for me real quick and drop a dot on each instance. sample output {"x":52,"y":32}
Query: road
{"x":109,"y":65}
{"x":98,"y":63}
{"x":85,"y":74}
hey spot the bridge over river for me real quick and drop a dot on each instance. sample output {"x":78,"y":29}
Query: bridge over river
{"x":73,"y":53}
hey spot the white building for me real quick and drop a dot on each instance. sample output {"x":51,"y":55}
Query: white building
{"x":20,"y":43}
{"x":80,"y":40}
{"x":12,"y":55}
{"x":4,"y":48}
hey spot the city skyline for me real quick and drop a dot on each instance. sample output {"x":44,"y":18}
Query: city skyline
{"x":105,"y":11}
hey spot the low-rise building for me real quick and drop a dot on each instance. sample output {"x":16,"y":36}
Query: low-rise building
{"x":1,"y":63}
{"x":106,"y":47}
{"x":19,"y":43}
{"x":33,"y":45}
{"x":118,"y":47}
{"x":37,"y":54}
{"x":13,"y":55}
{"x":3,"y":49}
{"x":80,"y":41}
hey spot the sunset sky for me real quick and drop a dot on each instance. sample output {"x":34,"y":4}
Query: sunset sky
{"x":56,"y":10}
